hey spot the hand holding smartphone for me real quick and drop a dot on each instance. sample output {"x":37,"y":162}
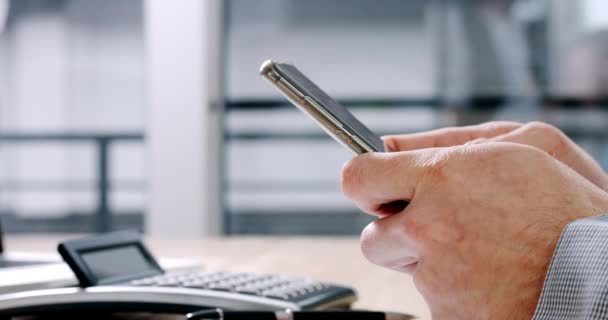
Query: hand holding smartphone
{"x":332,"y":117}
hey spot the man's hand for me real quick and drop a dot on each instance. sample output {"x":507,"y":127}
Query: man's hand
{"x":536,"y":134}
{"x":482,"y":222}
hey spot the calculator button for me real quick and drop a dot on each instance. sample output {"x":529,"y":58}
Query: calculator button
{"x":196,"y":285}
{"x":245,"y":290}
{"x":148,"y":282}
{"x":221,"y":286}
{"x":310,"y":289}
{"x":166,"y":283}
{"x":275,"y":295}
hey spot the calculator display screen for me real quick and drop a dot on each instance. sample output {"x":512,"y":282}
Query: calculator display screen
{"x":118,"y":262}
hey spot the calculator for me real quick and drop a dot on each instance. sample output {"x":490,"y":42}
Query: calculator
{"x":116,"y":273}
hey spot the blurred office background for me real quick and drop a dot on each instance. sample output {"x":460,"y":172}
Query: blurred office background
{"x":150,"y":114}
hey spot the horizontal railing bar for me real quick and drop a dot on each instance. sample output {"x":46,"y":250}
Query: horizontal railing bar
{"x":69,"y":185}
{"x":582,"y":133}
{"x":69,"y":137}
{"x":487,"y":102}
{"x":271,"y":103}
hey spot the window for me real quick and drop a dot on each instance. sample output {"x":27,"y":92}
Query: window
{"x":401,"y":66}
{"x":71,"y":115}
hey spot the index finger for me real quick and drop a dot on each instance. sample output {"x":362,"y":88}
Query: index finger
{"x":447,"y":137}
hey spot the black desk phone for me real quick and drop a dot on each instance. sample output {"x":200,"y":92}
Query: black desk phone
{"x":117,"y":273}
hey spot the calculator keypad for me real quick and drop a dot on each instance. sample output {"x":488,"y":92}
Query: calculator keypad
{"x":271,"y":286}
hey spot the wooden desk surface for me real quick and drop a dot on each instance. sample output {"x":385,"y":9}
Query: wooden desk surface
{"x":329,"y":259}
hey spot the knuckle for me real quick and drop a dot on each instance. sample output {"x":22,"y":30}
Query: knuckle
{"x":495,"y":128}
{"x":501,"y":124}
{"x":558,"y":140}
{"x":543,"y":127}
{"x":351,"y":176}
{"x":508,"y":122}
{"x":390,"y":143}
{"x":356,"y":173}
{"x":348,"y":177}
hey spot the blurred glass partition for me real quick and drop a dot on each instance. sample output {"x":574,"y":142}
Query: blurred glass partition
{"x":401,"y":66}
{"x":329,"y":40}
{"x":71,"y":115}
{"x":282,"y":172}
{"x":579,"y":51}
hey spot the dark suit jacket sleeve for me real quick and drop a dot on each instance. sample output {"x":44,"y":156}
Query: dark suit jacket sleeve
{"x":576,"y":286}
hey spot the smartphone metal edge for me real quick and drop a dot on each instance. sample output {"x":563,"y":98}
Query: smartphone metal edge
{"x":309,"y":106}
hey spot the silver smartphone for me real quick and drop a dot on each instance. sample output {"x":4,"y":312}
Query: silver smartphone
{"x":332,"y":117}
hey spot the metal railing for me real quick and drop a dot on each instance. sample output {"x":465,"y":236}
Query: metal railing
{"x":103,"y":143}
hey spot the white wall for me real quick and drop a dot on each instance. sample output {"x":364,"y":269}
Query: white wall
{"x":184,"y":116}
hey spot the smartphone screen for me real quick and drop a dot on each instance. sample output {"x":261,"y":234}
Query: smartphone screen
{"x":347,"y":119}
